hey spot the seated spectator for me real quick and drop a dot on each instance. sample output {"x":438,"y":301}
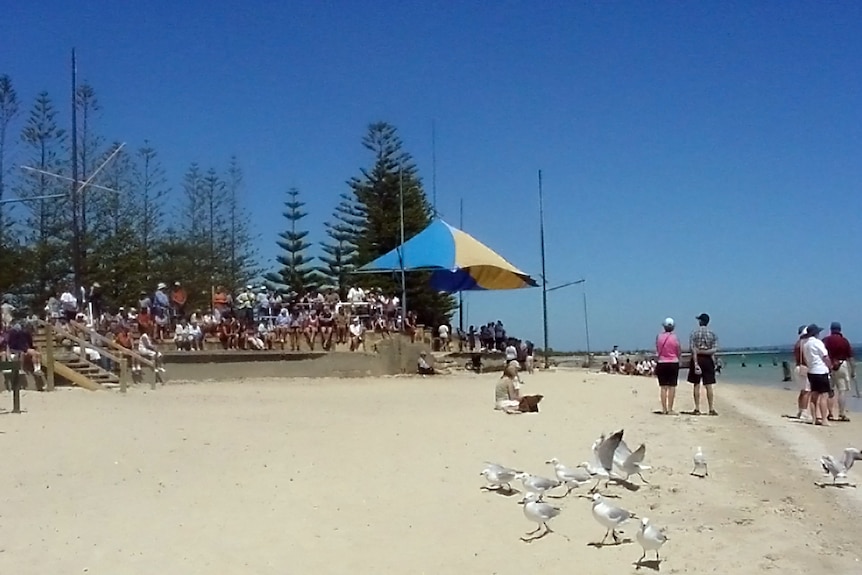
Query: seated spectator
{"x":20,"y":344}
{"x":196,"y":335}
{"x":507,"y":395}
{"x":424,"y":368}
{"x":327,"y":325}
{"x":357,"y":334}
{"x":148,"y":350}
{"x":182,"y":336}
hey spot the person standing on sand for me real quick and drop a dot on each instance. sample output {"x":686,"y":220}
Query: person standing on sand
{"x":818,"y":362}
{"x":804,"y":399}
{"x":667,"y":350}
{"x":843,"y":369}
{"x":703,"y":344}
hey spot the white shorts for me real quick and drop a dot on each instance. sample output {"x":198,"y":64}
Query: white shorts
{"x":802,"y":378}
{"x":841,"y":377}
{"x":150,"y":353}
{"x":504,"y":404}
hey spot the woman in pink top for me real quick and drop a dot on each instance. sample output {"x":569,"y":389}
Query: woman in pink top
{"x":667,"y":370}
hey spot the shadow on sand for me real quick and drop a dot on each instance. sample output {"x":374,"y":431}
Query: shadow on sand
{"x":653,"y":564}
{"x":501,"y":491}
{"x":622,"y":541}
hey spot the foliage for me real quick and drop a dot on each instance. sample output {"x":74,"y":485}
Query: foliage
{"x":296,"y":274}
{"x":378,"y":191}
{"x":339,"y":252}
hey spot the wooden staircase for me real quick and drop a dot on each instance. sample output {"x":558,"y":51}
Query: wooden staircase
{"x":75,"y":368}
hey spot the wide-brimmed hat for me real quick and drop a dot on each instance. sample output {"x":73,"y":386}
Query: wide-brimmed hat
{"x":161,"y":285}
{"x":813,"y":329}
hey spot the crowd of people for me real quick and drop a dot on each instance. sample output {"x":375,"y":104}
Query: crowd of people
{"x":825,"y":368}
{"x":253,"y":318}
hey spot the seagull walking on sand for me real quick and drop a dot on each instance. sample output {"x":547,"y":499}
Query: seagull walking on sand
{"x":630,"y":462}
{"x":651,"y":538}
{"x":537,"y":484}
{"x":699,"y":459}
{"x":498,"y":476}
{"x":571,"y":478}
{"x":609,"y":516}
{"x":538,"y":512}
{"x":839,"y":468}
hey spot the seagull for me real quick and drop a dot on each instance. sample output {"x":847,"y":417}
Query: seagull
{"x":537,"y":484}
{"x":571,"y":478}
{"x":609,"y":516}
{"x":699,"y":459}
{"x":538,"y":512}
{"x":838,"y":469}
{"x":604,"y":449}
{"x":628,"y":462}
{"x":498,"y":476}
{"x":651,"y":538}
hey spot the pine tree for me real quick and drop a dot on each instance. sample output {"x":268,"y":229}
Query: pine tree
{"x":9,"y":108}
{"x":47,"y":224}
{"x":88,"y":159}
{"x":240,"y":254}
{"x":340,"y":250}
{"x":295,"y":274}
{"x":151,"y":192}
{"x":378,"y":191}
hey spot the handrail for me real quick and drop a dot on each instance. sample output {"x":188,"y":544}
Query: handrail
{"x":114,"y":345}
{"x":83,"y":344}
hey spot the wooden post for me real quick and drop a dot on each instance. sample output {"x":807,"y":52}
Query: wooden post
{"x":49,"y":356}
{"x":16,"y":387}
{"x":124,"y":373}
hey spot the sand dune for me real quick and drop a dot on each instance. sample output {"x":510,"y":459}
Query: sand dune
{"x":381,"y":476}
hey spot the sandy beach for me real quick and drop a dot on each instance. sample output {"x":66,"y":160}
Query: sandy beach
{"x":381,"y":475}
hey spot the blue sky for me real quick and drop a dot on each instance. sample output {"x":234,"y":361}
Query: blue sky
{"x":696,"y":156}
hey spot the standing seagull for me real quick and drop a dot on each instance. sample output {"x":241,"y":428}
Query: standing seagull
{"x":571,"y":478}
{"x":538,"y":512}
{"x":536,"y":484}
{"x":609,"y":516}
{"x":651,"y":538}
{"x":699,"y":459}
{"x":498,"y":476}
{"x":603,"y":450}
{"x":839,"y":469}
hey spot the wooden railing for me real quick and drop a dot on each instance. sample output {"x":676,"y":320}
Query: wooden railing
{"x":113,"y":351}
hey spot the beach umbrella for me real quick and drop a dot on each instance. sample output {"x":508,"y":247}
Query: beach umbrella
{"x":457,"y":261}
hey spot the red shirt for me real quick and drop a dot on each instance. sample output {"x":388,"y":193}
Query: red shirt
{"x":838,"y":347}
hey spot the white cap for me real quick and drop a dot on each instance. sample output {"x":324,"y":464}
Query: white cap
{"x":668,"y":322}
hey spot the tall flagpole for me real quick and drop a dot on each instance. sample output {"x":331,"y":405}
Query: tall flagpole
{"x":403,"y":281}
{"x":544,"y":276}
{"x":461,"y":293}
{"x":76,"y":237}
{"x":434,"y":165}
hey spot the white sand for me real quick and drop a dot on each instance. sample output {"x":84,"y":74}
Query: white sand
{"x":381,"y":476}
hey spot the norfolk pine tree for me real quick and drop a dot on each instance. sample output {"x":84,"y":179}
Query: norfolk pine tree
{"x":295,"y":273}
{"x":377,"y":191}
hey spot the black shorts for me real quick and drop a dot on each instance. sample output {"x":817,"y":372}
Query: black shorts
{"x":707,"y":371}
{"x":819,"y":382}
{"x":667,"y":373}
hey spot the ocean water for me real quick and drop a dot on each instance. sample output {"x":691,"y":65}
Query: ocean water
{"x":765,"y":369}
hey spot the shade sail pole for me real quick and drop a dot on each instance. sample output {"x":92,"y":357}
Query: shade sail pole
{"x":544,"y":275}
{"x":461,"y":292}
{"x":403,"y":282}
